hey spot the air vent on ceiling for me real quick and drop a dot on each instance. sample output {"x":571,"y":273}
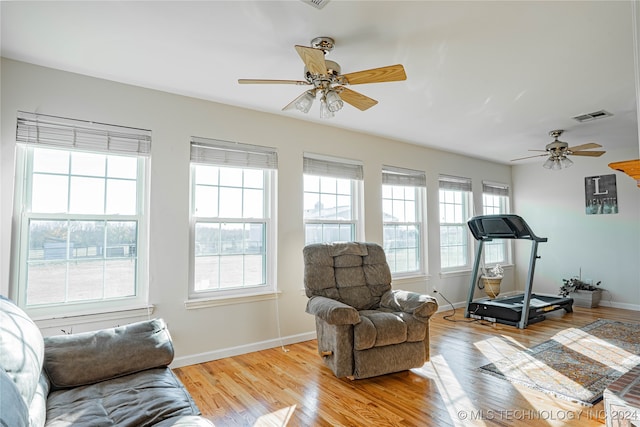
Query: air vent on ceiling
{"x":593,"y":116}
{"x":318,"y":4}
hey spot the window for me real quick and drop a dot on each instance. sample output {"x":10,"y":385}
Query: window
{"x":232,"y":231}
{"x":80,"y":215}
{"x":331,"y":199}
{"x":495,"y":200}
{"x":455,"y":202}
{"x":403,"y":195}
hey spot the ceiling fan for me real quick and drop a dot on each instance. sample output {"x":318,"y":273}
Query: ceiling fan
{"x":327,"y":82}
{"x":559,"y":150}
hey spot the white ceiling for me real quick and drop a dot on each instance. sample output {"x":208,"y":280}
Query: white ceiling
{"x":488,"y":79}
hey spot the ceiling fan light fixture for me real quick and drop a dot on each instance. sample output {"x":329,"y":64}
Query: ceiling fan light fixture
{"x":565,"y":162}
{"x":304,"y":102}
{"x":548,"y":164}
{"x":325,"y":112}
{"x":333,"y":101}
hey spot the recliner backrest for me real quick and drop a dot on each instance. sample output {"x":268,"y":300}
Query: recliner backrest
{"x":355,"y":273}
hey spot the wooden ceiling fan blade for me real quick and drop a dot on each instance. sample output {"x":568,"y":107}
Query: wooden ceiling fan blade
{"x":529,"y":157}
{"x":356,"y":99}
{"x":313,"y":59}
{"x":271,"y":82}
{"x":392,"y":73}
{"x":588,"y":153}
{"x":584,"y":146}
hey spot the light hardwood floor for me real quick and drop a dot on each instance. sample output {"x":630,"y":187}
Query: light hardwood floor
{"x":291,"y":386}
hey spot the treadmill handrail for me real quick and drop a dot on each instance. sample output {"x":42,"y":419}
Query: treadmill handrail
{"x":510,"y":227}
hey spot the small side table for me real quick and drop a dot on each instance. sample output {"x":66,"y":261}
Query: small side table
{"x":622,"y":400}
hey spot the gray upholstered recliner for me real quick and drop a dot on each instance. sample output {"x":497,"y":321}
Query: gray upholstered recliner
{"x":364,"y":327}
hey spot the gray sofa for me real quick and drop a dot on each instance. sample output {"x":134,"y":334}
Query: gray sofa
{"x":112,"y":377}
{"x":364,"y":328}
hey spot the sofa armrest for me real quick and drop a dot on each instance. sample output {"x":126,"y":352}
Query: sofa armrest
{"x":421,"y":306}
{"x":89,"y":357}
{"x":332,"y":311}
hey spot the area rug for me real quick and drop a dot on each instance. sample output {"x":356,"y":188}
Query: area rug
{"x":576,"y":364}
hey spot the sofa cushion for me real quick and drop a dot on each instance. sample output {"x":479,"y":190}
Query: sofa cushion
{"x":38,"y":406}
{"x":85,"y":358}
{"x":13,"y":410}
{"x":21,"y":349}
{"x":136,"y":400}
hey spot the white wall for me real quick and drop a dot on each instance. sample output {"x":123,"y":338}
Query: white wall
{"x":206,"y":333}
{"x":603,"y":247}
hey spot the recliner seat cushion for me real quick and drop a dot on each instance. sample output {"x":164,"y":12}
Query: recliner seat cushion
{"x":381,"y":328}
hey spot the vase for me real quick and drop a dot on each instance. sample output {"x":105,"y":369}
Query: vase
{"x":491,"y":285}
{"x":584,"y":298}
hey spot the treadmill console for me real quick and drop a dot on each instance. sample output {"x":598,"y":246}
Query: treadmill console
{"x":489,"y":227}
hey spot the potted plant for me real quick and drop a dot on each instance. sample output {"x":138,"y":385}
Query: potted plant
{"x":584,"y":294}
{"x":490,"y":280}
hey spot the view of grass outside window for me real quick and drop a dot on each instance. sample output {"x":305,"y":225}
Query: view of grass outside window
{"x":454,"y":201}
{"x":330,"y":211}
{"x":402,"y":210}
{"x":231,"y":217}
{"x":82,"y":220}
{"x":495,"y":200}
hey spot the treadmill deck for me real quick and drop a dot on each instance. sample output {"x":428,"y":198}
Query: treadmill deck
{"x":508,"y":310}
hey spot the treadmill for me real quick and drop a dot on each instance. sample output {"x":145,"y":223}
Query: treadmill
{"x":515,"y":310}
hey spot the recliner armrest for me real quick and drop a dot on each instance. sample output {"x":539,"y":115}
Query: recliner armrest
{"x":421,"y":306}
{"x":332,"y":311}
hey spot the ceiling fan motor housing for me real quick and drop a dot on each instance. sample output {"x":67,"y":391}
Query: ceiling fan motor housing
{"x":333,"y":71}
{"x":556,"y":147}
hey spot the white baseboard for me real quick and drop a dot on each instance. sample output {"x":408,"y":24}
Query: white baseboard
{"x":623,"y":305}
{"x":208,"y":356}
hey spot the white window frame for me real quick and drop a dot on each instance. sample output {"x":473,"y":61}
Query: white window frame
{"x":494,"y":189}
{"x":317,"y":165}
{"x":454,"y":185}
{"x":38,"y":131}
{"x":408,"y":180}
{"x":226,"y":154}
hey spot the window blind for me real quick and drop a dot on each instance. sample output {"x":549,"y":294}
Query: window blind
{"x":52,"y":131}
{"x":333,"y":168}
{"x":227,"y":153}
{"x":446,"y":182}
{"x":392,"y":175}
{"x":495,"y":189}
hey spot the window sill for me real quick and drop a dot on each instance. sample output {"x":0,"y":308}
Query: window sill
{"x":54,"y":321}
{"x":194,"y":304}
{"x":454,"y":273}
{"x":400,"y":280}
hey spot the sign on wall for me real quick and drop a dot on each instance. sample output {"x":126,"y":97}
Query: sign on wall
{"x":601,"y":195}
